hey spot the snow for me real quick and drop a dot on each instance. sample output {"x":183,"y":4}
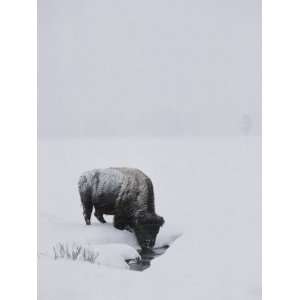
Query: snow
{"x":208,"y":191}
{"x":114,"y":255}
{"x":103,"y":237}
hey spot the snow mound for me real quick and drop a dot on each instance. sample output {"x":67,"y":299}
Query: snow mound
{"x":114,"y":246}
{"x":115,"y":255}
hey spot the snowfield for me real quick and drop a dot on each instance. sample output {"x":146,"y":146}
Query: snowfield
{"x":207,"y":189}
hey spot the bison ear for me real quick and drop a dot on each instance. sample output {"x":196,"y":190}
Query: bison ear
{"x":160,"y":220}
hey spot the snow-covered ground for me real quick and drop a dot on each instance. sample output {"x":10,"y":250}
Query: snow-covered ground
{"x":208,"y":191}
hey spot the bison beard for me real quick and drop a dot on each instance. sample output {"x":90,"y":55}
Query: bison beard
{"x":125,"y":193}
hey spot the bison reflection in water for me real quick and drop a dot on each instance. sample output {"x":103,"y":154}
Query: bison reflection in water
{"x":125,"y":193}
{"x":146,"y":257}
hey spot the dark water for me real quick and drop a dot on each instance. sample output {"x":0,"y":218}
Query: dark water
{"x":146,"y":257}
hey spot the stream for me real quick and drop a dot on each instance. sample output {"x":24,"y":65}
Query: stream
{"x":147,"y":255}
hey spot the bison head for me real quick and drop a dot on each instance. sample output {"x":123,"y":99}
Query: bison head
{"x":146,"y":228}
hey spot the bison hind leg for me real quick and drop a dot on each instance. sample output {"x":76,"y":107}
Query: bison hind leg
{"x":87,"y":212}
{"x":87,"y":206}
{"x":99,"y":215}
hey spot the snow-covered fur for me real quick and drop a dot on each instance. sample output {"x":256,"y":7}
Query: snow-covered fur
{"x":125,"y":193}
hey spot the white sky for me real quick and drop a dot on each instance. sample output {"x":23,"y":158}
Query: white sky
{"x":149,"y":68}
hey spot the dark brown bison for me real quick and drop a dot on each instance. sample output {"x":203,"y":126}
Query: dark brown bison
{"x":125,"y":193}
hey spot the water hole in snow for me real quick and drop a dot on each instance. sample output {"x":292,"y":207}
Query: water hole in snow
{"x":147,"y":255}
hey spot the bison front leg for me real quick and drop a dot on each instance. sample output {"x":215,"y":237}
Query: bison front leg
{"x":120,"y":222}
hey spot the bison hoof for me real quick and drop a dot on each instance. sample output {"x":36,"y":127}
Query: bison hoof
{"x":128,"y":228}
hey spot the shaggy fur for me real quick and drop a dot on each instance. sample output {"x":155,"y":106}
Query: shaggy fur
{"x":125,"y":193}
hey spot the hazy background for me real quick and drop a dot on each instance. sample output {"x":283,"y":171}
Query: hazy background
{"x":177,"y":86}
{"x":149,"y":68}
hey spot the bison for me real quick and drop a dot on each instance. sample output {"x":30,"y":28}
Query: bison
{"x":125,"y":193}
